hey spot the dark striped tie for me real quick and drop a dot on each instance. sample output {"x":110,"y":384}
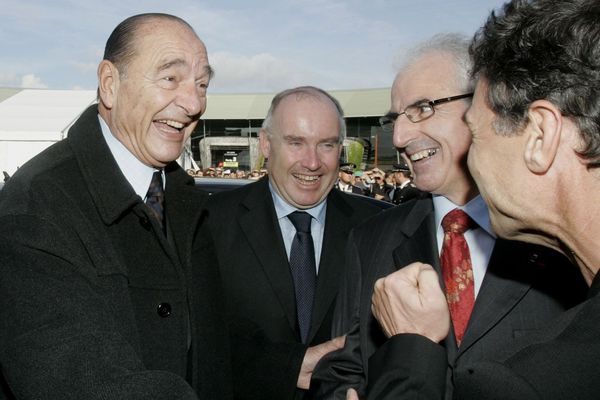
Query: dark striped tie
{"x":304,"y":271}
{"x":155,"y":198}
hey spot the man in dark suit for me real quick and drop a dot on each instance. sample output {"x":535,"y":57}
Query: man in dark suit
{"x":277,"y":341}
{"x":503,"y":280}
{"x":105,"y":296}
{"x":535,"y":117}
{"x":404,"y":190}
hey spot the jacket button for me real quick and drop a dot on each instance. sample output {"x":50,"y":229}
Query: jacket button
{"x":163,"y":310}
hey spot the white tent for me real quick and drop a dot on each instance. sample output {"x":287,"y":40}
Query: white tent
{"x":33,"y":119}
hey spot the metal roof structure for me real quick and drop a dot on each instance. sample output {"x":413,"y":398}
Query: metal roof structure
{"x":33,"y":119}
{"x":355,"y":103}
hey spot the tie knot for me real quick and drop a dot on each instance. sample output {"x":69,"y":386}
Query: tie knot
{"x":457,"y":221}
{"x":156,"y":185}
{"x":301,"y":221}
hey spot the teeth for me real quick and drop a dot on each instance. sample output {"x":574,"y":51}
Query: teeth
{"x":174,"y":124}
{"x":307,"y":178}
{"x":422,"y":154}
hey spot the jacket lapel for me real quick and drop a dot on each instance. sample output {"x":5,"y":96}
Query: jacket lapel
{"x":416,"y":236}
{"x":338,"y":223}
{"x":268,"y":246}
{"x":183,"y":211}
{"x":504,"y":285}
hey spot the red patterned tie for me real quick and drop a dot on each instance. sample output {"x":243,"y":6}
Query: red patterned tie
{"x":457,"y":270}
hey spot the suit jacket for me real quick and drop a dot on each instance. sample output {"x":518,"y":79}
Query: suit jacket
{"x":96,"y":302}
{"x":523,"y":288}
{"x":559,"y":362}
{"x":259,"y":289}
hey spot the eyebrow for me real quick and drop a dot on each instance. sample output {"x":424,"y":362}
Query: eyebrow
{"x":172,"y":63}
{"x":178,"y":62}
{"x":209,"y":71}
{"x":420,"y":101}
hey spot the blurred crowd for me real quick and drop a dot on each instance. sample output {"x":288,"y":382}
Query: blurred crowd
{"x":220,"y":172}
{"x":392,"y":185}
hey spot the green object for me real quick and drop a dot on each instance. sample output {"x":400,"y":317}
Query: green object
{"x":354,"y":151}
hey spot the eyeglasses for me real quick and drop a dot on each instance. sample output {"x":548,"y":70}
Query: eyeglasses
{"x":417,"y":112}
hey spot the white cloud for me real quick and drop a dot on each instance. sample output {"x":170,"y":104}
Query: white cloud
{"x":30,"y":81}
{"x":260,"y":72}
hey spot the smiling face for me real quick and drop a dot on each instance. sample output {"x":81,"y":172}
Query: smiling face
{"x":436,"y":148}
{"x":303,"y":149}
{"x":152,"y":104}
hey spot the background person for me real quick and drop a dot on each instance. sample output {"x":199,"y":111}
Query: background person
{"x":404,"y":189}
{"x":345,"y":181}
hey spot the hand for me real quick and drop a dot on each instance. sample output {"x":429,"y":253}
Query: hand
{"x":411,"y":301}
{"x":351,"y":394}
{"x":312,"y":357}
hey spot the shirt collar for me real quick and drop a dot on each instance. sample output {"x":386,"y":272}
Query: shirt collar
{"x":283,"y":208}
{"x":475,"y":208}
{"x":137,"y":173}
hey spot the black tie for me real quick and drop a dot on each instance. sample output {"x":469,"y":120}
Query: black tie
{"x":155,"y":197}
{"x":302,"y":264}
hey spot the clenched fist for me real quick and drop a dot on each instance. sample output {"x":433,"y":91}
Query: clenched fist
{"x":410,"y":300}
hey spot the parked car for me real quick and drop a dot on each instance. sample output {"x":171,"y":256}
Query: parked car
{"x":215,"y":185}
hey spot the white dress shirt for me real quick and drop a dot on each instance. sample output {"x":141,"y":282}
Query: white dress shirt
{"x":138,"y":174}
{"x":480,"y":240}
{"x":288,"y":231}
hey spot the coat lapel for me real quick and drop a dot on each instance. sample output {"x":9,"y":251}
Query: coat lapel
{"x":183,"y":211}
{"x":338,"y":223}
{"x":268,"y":246}
{"x":416,"y":236}
{"x":506,"y":282}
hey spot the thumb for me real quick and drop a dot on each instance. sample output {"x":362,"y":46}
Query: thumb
{"x":331,"y":345}
{"x":428,"y":282}
{"x":351,"y":394}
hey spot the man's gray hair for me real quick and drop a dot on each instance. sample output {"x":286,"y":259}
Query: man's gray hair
{"x":455,"y":45}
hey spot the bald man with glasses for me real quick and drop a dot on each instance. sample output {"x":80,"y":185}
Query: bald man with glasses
{"x":494,"y":288}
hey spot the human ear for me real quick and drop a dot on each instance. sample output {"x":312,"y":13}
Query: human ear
{"x":108,"y":77}
{"x":265,"y":143}
{"x":543,"y":136}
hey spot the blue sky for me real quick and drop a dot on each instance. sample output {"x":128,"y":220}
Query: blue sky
{"x":254,"y":45}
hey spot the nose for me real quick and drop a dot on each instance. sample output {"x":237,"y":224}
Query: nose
{"x":311,"y":159}
{"x":191,"y":98}
{"x":404,"y":131}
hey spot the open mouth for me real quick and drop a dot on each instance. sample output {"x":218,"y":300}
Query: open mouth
{"x":422,"y":155}
{"x":170,"y":125}
{"x":307,"y":179}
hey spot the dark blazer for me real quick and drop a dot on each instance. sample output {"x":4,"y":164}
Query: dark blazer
{"x":268,"y":351}
{"x":96,"y":303}
{"x":524,"y":287}
{"x":559,"y":362}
